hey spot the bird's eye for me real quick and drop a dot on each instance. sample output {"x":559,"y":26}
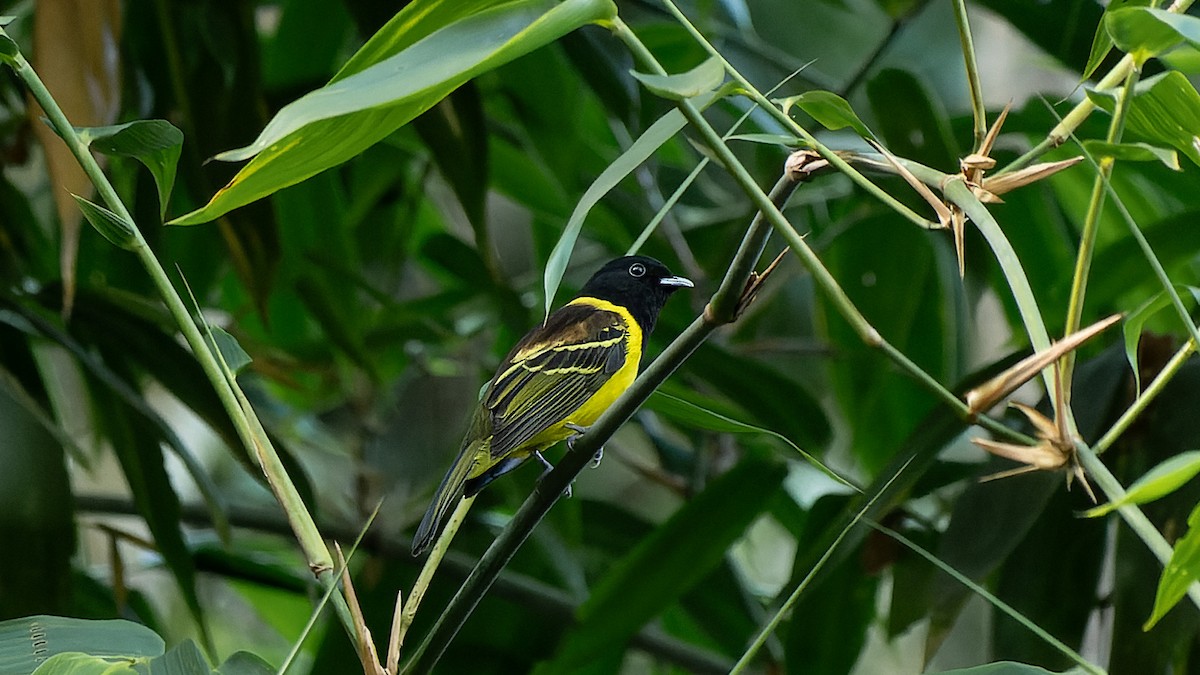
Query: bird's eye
{"x":637,"y":270}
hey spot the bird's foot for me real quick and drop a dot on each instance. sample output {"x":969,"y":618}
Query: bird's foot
{"x":579,"y":431}
{"x":547,"y":467}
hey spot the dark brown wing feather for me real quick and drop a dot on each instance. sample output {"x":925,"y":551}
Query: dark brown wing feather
{"x":553,"y":371}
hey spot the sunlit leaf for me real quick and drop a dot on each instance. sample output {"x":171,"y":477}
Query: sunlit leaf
{"x":155,"y":143}
{"x":1157,"y":483}
{"x":1145,"y":33}
{"x":72,"y":663}
{"x":332,"y":124}
{"x":1182,"y":570}
{"x":1102,"y":42}
{"x":699,"y":80}
{"x":1165,"y":110}
{"x":1133,"y":152}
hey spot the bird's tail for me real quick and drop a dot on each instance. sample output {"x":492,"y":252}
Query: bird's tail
{"x":447,"y":496}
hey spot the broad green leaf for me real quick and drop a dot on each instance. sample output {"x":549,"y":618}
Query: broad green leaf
{"x":1002,"y":668}
{"x":118,"y":231}
{"x":25,"y":642}
{"x":663,"y":129}
{"x":155,"y":143}
{"x":1181,"y":571}
{"x":828,"y":109}
{"x":1102,"y":42}
{"x":74,"y":663}
{"x":363,"y":105}
{"x":1157,"y":483}
{"x":1144,"y":32}
{"x":1133,"y":152}
{"x":699,"y":80}
{"x":1165,"y":110}
{"x":668,"y":562}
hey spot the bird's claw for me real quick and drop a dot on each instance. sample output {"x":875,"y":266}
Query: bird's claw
{"x":579,"y":431}
{"x":547,"y":467}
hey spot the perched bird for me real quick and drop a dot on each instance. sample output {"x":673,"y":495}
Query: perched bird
{"x":557,"y":380}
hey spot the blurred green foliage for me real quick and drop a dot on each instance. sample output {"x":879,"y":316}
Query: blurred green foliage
{"x":376,"y":297}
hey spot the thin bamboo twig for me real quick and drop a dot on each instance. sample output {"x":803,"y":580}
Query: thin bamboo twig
{"x":779,"y":115}
{"x":1091,"y":224}
{"x":1145,"y":398}
{"x":978,"y":112}
{"x":785,"y":610}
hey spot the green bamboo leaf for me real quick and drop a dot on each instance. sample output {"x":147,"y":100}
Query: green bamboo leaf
{"x":1144,"y":32}
{"x":1182,"y":570}
{"x":663,"y":129}
{"x":699,"y":80}
{"x":668,"y":562}
{"x":1132,"y":329}
{"x":1165,"y":111}
{"x":1157,"y":483}
{"x":155,"y":143}
{"x":1133,"y":152}
{"x":401,"y":77}
{"x":830,"y":110}
{"x":118,"y":231}
{"x":25,"y":642}
{"x":1102,"y":42}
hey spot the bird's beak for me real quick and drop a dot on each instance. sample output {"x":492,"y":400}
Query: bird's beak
{"x":676,"y":282}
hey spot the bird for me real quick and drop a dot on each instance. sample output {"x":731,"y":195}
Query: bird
{"x":556,"y":381}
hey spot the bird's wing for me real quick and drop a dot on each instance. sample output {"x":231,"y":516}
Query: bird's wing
{"x":552,"y":372}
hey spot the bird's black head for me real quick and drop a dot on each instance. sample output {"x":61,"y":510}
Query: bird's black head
{"x":638,"y":283}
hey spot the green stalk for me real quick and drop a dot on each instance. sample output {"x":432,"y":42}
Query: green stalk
{"x":978,"y":112}
{"x":319,"y":560}
{"x":1087,"y":239}
{"x":1145,"y":398}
